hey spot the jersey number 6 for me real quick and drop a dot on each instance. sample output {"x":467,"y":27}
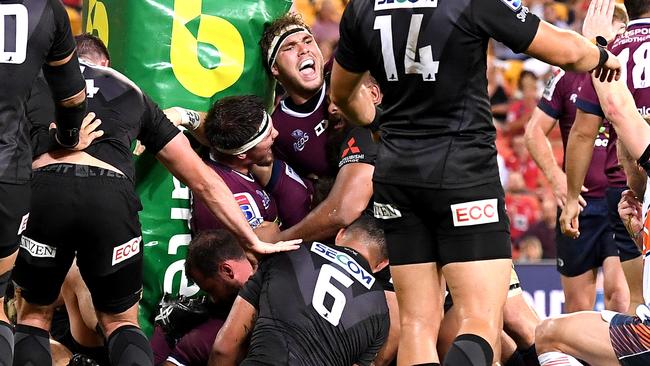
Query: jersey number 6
{"x":324,"y":286}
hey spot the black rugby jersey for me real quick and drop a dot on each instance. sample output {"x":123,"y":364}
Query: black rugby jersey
{"x":318,"y":305}
{"x":31,"y":33}
{"x":429,"y":57}
{"x":126,"y":114}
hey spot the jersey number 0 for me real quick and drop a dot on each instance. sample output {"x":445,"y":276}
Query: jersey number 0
{"x":324,"y":287}
{"x":13,"y":28}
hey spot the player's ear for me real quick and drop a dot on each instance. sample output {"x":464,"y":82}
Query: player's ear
{"x":375,"y":93}
{"x":339,"y":235}
{"x":241,"y":156}
{"x":226,"y":270}
{"x":274,"y":70}
{"x":381,"y":265}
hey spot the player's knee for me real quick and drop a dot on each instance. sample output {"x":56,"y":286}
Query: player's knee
{"x":547,"y":335}
{"x":618,"y":299}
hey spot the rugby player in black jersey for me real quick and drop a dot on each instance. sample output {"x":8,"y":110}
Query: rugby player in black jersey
{"x":33,"y":35}
{"x":84,"y":205}
{"x":318,"y":305}
{"x":436,"y":181}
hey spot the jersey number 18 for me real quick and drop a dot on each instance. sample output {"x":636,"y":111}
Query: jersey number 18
{"x":13,"y":29}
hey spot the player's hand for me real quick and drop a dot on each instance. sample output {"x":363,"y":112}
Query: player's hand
{"x":87,"y":132}
{"x":598,"y":21}
{"x":261,"y":247}
{"x":611,"y":70}
{"x":629,"y":209}
{"x":569,"y":219}
{"x":558,"y":185}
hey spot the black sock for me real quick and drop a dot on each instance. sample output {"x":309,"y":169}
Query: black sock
{"x":32,"y":346}
{"x":529,"y":356}
{"x":469,"y":350}
{"x":127,"y":345}
{"x":6,"y":344}
{"x":515,"y":360}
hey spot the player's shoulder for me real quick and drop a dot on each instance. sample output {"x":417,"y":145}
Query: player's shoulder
{"x":117,"y":82}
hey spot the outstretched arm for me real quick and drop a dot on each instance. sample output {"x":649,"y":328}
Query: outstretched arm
{"x":182,"y":161}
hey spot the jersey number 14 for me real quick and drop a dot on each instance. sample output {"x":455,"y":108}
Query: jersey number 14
{"x":425,"y":67}
{"x":13,"y":33}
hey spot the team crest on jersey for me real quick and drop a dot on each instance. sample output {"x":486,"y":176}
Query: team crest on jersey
{"x":514,"y":5}
{"x":301,"y":139}
{"x":249,"y":207}
{"x":404,"y":4}
{"x":552,"y":83}
{"x":266,"y":200}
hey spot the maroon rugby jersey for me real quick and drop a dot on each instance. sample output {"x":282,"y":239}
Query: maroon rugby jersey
{"x":558,"y":101}
{"x":632,"y":49}
{"x":292,"y":193}
{"x":302,"y":135}
{"x":254,"y":202}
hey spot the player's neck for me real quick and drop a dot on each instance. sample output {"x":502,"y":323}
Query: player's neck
{"x":299,"y":99}
{"x":241,"y":166}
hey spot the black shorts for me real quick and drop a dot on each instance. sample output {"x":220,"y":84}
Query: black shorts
{"x":627,"y":248}
{"x":91,"y":213}
{"x":629,"y":336}
{"x":595,"y":243}
{"x":14,"y":213}
{"x":425,"y":225}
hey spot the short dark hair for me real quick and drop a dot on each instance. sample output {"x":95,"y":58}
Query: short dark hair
{"x":233,"y":120}
{"x":274,"y":28}
{"x":368,"y":230}
{"x":91,"y":46}
{"x":210,"y":248}
{"x":636,"y":8}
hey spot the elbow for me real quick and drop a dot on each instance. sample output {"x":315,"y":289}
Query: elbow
{"x":611,"y":106}
{"x":343,"y":217}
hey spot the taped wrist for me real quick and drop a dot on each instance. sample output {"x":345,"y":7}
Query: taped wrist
{"x":644,"y":160}
{"x":68,"y":122}
{"x":189,"y":118}
{"x":374,"y":125}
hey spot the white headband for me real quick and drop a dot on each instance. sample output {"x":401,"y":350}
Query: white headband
{"x":262,"y":132}
{"x":279,"y":40}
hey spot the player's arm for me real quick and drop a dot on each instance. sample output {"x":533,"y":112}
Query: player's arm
{"x":537,"y":130}
{"x":230,"y":342}
{"x":579,"y":150}
{"x":181,"y":160}
{"x":193,"y":121}
{"x":351,"y":96}
{"x":636,"y":176}
{"x":388,"y":351}
{"x":620,"y":109}
{"x":65,"y":80}
{"x":571,"y":51}
{"x":346,"y":201}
